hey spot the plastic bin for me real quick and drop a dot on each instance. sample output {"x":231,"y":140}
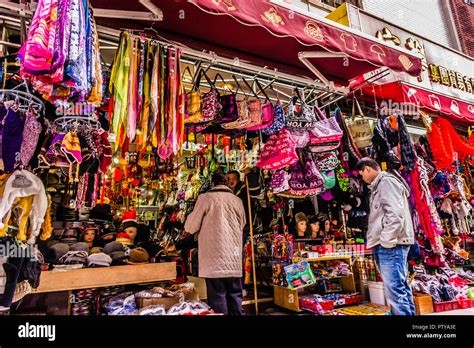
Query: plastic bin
{"x":464,"y":303}
{"x":377,"y":293}
{"x":445,"y":306}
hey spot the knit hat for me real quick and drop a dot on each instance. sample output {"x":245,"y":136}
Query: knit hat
{"x":312,"y":219}
{"x":96,"y":250}
{"x":99,"y":260}
{"x":138,"y":256}
{"x":88,"y":228}
{"x":111,"y":247}
{"x":118,"y":256}
{"x":301,"y":217}
{"x":80,"y":247}
{"x":73,"y":257}
{"x":71,"y":146}
{"x":70,"y":236}
{"x":129,"y":219}
{"x":124,"y":239}
{"x":38,"y":207}
{"x":59,"y":250}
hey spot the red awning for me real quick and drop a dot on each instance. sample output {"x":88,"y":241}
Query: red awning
{"x":267,"y":34}
{"x":401,"y":92}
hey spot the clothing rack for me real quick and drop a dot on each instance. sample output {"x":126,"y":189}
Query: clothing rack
{"x":25,"y":100}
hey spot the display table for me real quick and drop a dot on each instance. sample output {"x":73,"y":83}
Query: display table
{"x":86,"y":278}
{"x":289,"y":299}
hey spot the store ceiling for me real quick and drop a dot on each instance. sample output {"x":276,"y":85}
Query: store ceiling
{"x":188,"y":25}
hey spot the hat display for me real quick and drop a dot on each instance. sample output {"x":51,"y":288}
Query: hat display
{"x":312,"y":219}
{"x":129,"y":219}
{"x":70,"y":235}
{"x":89,"y":228}
{"x":118,"y":256}
{"x":124,"y":239}
{"x":59,"y":250}
{"x":79,"y":247}
{"x":111,"y":247}
{"x":138,"y":256}
{"x":74,"y":257}
{"x":99,"y":260}
{"x":279,"y":181}
{"x":95,"y":250}
{"x":301,"y":217}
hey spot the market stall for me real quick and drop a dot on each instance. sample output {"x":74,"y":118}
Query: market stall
{"x":114,"y":156}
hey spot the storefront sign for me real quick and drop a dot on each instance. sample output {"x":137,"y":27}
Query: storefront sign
{"x":451,"y":78}
{"x":444,"y":71}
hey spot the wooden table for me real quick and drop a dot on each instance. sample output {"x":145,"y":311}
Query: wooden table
{"x":86,"y":278}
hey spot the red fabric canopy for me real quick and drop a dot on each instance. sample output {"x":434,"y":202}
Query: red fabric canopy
{"x":266,"y":34}
{"x":401,"y":92}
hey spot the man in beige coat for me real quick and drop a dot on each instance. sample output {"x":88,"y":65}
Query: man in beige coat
{"x":219,"y":218}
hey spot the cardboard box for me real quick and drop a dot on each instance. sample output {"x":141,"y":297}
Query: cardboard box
{"x":423,"y":303}
{"x":167,"y":302}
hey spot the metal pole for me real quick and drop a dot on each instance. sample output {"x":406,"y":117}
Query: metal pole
{"x":255,"y":295}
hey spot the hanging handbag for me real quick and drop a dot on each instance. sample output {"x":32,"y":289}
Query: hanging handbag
{"x":279,"y":181}
{"x":301,"y":138}
{"x":303,"y":120}
{"x":359,"y":127}
{"x":326,"y":161}
{"x":278,"y":120}
{"x":266,"y":111}
{"x":278,"y":152}
{"x":193,"y":102}
{"x":305,"y":175}
{"x":210,"y":101}
{"x":326,"y":130}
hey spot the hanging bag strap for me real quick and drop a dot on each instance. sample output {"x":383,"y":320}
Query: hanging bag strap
{"x":215,"y":79}
{"x":202,"y":73}
{"x":239,"y":87}
{"x":319,"y":114}
{"x":263,"y":91}
{"x":250,"y":87}
{"x":361,"y":113}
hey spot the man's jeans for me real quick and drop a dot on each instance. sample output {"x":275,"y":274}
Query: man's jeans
{"x":393,"y":266}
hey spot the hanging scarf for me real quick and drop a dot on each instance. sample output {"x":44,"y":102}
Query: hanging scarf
{"x":407,"y":150}
{"x":132,"y":93}
{"x":121,"y":92}
{"x":142,"y":141}
{"x":154,"y":96}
